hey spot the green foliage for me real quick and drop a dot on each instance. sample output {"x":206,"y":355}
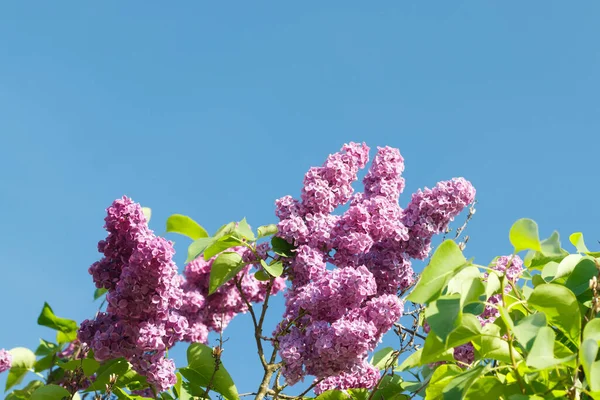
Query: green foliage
{"x":225,"y":267}
{"x":66,"y":328}
{"x":50,"y":392}
{"x":186,"y":226}
{"x":23,"y":361}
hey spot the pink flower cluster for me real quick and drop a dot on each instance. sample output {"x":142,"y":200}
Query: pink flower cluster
{"x":333,"y":318}
{"x":144,"y":293}
{"x":151,"y":306}
{"x":5,"y":360}
{"x":213,"y":313}
{"x":512,"y":267}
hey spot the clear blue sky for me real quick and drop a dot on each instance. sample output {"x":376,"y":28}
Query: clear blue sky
{"x":215,"y":110}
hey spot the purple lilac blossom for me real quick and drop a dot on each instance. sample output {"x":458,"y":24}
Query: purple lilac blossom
{"x":5,"y":360}
{"x":333,"y":318}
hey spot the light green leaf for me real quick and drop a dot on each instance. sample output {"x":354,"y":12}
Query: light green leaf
{"x":245,"y":231}
{"x":147,"y":211}
{"x":528,"y":328}
{"x":186,"y":226}
{"x":267,"y":230}
{"x":468,"y":283}
{"x":440,"y":378}
{"x":491,"y":345}
{"x":486,"y":387}
{"x":333,"y":395}
{"x":446,"y":260}
{"x":50,"y":392}
{"x":587,"y":356}
{"x":492,"y":285}
{"x":592,"y":330}
{"x":385,"y":358}
{"x":99,"y":293}
{"x":541,"y":355}
{"x":567,"y":265}
{"x":225,"y":267}
{"x":197,"y":247}
{"x":549,"y":271}
{"x":180,"y":389}
{"x":224,"y":243}
{"x":434,"y":349}
{"x":25,"y":393}
{"x":275,"y":268}
{"x":577,"y":240}
{"x":23,"y":360}
{"x":67,"y":326}
{"x":444,"y":315}
{"x":524,"y":235}
{"x":201,"y":368}
{"x":46,"y":348}
{"x":594,"y":377}
{"x":560,"y":306}
{"x":551,"y":247}
{"x":390,"y":388}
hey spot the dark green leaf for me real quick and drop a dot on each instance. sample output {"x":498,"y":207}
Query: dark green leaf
{"x":186,"y":226}
{"x":25,"y":393}
{"x":579,"y":280}
{"x":390,"y":388}
{"x":46,"y":348}
{"x":118,"y":367}
{"x":460,"y":384}
{"x":44,"y":363}
{"x":225,"y":267}
{"x":446,"y":260}
{"x":89,"y":365}
{"x":282,"y":247}
{"x":261,"y":275}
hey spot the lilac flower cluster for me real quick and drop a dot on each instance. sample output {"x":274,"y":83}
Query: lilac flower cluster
{"x":333,"y":318}
{"x":512,"y":267}
{"x":150,"y":306}
{"x":144,"y":292}
{"x":5,"y":360}
{"x":213,"y":313}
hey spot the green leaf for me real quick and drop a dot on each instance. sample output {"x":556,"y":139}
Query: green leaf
{"x":390,"y":388}
{"x":594,"y":377}
{"x":440,"y":378}
{"x":99,"y":293}
{"x":282,"y":247}
{"x":50,"y":392}
{"x":225,"y":230}
{"x":467,"y":282}
{"x":180,"y":390}
{"x":384,"y":358}
{"x":225,"y":267}
{"x":25,"y":393}
{"x":549,"y":271}
{"x":275,"y":268}
{"x":267,"y":230}
{"x":434,"y":349}
{"x":491,"y":345}
{"x":541,"y":355}
{"x":88,"y":365}
{"x":460,"y":384}
{"x":567,"y":265}
{"x":333,"y":395}
{"x":446,"y":260}
{"x":261,"y":275}
{"x":44,"y":363}
{"x":202,"y":364}
{"x":492,"y":285}
{"x":117,"y":366}
{"x":528,"y":328}
{"x":486,"y":387}
{"x":23,"y":360}
{"x":444,"y":315}
{"x":197,"y":247}
{"x":592,"y":330}
{"x":147,"y":211}
{"x":46,"y":348}
{"x":224,"y":243}
{"x":245,"y":231}
{"x":66,"y":326}
{"x":186,"y":226}
{"x":551,"y":247}
{"x":587,"y":356}
{"x":579,"y":280}
{"x":577,"y":240}
{"x":560,"y":306}
{"x":524,"y":235}
{"x":358,"y":394}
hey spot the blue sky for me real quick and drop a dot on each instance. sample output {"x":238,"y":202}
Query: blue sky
{"x":215,"y":110}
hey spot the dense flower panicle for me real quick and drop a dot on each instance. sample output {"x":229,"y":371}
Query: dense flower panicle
{"x":361,"y":375}
{"x":158,"y":369}
{"x":5,"y":360}
{"x":333,"y":318}
{"x":511,"y":266}
{"x":465,"y":353}
{"x":431,"y":210}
